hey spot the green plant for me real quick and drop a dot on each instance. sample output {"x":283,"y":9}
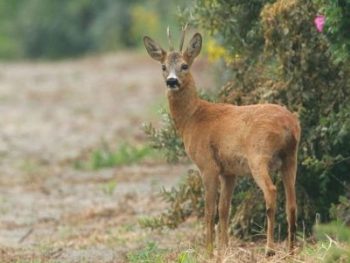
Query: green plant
{"x":9,"y":47}
{"x":235,"y":24}
{"x":56,"y":29}
{"x":187,"y":257}
{"x":337,"y":235}
{"x":109,"y":187}
{"x":335,"y":230}
{"x":316,"y":87}
{"x":124,"y":155}
{"x":150,"y":254}
{"x":184,"y":200}
{"x":166,"y":139}
{"x":341,"y":211}
{"x":337,"y":14}
{"x":105,"y":157}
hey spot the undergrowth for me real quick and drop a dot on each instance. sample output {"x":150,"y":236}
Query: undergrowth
{"x":150,"y":254}
{"x":184,"y":201}
{"x":105,"y":156}
{"x":331,"y":243}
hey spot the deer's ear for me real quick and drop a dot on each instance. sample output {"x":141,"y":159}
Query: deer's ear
{"x":193,"y":48}
{"x":154,"y":50}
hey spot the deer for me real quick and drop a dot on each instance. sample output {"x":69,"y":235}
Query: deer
{"x":226,"y":141}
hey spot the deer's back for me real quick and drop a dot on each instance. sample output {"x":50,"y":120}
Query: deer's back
{"x":232,"y":135}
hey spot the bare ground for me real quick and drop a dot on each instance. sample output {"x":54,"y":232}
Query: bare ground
{"x":52,"y":113}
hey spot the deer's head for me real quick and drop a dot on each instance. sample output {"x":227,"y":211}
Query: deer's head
{"x":175,"y":64}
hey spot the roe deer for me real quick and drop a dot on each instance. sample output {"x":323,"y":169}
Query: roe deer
{"x":226,"y":141}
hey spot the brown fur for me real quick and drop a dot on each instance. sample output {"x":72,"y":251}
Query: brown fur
{"x":226,"y":141}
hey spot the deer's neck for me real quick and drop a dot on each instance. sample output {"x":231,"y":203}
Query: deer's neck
{"x":183,"y":104}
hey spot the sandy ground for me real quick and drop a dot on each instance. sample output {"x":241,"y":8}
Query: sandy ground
{"x":50,"y":115}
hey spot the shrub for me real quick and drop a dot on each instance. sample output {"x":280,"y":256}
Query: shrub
{"x":337,"y":25}
{"x":186,"y":200}
{"x":316,"y":87}
{"x":53,"y":29}
{"x":166,"y":139}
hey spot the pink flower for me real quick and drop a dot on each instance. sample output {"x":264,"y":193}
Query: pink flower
{"x":319,"y":21}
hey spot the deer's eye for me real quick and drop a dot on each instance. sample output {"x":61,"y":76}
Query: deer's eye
{"x":184,"y":67}
{"x":163,"y":67}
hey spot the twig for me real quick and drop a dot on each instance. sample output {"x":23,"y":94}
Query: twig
{"x":27,"y":234}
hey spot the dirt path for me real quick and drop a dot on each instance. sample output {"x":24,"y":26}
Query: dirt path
{"x":52,"y":113}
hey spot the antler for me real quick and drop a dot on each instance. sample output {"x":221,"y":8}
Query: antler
{"x":171,"y":46}
{"x":183,"y":33}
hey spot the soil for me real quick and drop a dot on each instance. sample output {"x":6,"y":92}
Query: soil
{"x":52,"y":113}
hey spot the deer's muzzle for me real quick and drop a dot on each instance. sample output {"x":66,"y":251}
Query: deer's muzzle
{"x":172,"y":82}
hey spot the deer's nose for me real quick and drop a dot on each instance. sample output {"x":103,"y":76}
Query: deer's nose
{"x":172,"y":82}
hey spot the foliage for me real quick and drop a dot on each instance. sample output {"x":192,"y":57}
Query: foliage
{"x":144,"y":20}
{"x":341,"y":211}
{"x":338,"y":234}
{"x":66,"y":28}
{"x":316,"y":87}
{"x":150,"y":254}
{"x":55,"y":29}
{"x":337,"y":13}
{"x":9,"y":47}
{"x":166,"y":139}
{"x":187,"y":257}
{"x":290,"y":63}
{"x":105,"y":157}
{"x":186,"y":200}
{"x":336,"y":230}
{"x":43,"y":31}
{"x":234,"y":23}
{"x":109,"y":187}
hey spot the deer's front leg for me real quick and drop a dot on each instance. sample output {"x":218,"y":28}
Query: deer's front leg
{"x":210,"y":181}
{"x":227,"y":186}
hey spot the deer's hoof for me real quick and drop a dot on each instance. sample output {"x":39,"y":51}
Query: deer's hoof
{"x":270,"y":252}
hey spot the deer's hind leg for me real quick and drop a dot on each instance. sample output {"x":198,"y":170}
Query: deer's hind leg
{"x":289,"y":168}
{"x":260,"y":172}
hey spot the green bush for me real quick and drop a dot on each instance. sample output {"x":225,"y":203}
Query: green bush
{"x":184,"y":201}
{"x":166,"y":139}
{"x":337,"y":13}
{"x":55,"y":28}
{"x":9,"y":47}
{"x":68,"y":28}
{"x":316,"y":87}
{"x":341,"y":211}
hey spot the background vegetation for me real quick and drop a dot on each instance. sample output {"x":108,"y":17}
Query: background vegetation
{"x":272,"y":52}
{"x":56,"y":29}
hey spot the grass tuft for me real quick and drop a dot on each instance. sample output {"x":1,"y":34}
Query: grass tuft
{"x":105,"y":157}
{"x":150,"y":254}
